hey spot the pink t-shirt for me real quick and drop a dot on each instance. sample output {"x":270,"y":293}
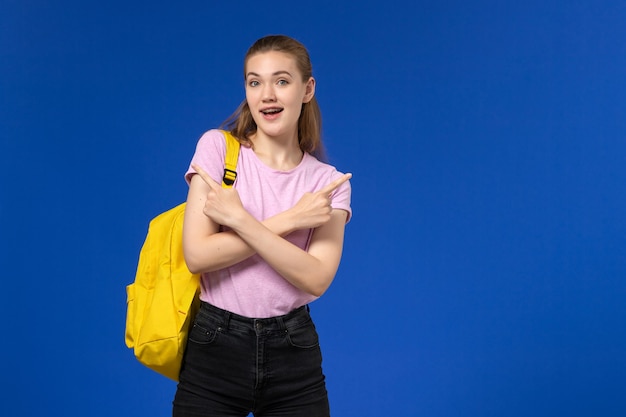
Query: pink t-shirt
{"x":252,"y":288}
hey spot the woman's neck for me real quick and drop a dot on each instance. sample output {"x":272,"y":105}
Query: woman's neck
{"x":278,"y":153}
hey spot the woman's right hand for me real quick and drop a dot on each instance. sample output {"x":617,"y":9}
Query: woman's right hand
{"x":313,"y":209}
{"x":222,"y":204}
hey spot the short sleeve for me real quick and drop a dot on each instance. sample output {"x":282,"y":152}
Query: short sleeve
{"x":341,"y":197}
{"x":209,"y":155}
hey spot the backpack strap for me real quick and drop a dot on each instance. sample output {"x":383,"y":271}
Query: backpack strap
{"x":230,"y":161}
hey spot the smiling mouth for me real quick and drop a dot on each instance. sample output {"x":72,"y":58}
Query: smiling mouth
{"x":271,"y":111}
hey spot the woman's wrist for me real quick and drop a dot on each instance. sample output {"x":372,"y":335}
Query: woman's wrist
{"x":283,"y":223}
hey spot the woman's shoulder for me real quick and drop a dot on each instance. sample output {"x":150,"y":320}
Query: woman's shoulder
{"x":212,"y":135}
{"x":212,"y":141}
{"x":324,"y":168}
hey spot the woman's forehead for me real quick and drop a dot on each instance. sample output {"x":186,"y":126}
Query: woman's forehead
{"x":269,"y":62}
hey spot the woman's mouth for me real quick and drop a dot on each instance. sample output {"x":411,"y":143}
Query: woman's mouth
{"x":271,"y":112}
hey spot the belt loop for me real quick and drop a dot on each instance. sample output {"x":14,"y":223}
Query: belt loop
{"x":226,"y":319}
{"x":281,"y":323}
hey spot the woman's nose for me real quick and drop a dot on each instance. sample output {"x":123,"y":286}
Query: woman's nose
{"x":268,"y":93}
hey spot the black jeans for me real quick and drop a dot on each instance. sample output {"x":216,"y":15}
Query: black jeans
{"x":235,"y":365}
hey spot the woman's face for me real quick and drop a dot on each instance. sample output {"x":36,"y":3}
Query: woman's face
{"x":275,"y":93}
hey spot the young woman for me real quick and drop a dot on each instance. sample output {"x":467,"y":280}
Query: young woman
{"x":265,"y":248}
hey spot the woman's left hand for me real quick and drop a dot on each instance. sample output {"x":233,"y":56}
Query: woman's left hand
{"x":222,"y":204}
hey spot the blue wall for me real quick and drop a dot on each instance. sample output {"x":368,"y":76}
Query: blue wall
{"x":484,"y":268}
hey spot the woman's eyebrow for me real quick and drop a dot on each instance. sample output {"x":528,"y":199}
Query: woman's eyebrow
{"x":282,"y":72}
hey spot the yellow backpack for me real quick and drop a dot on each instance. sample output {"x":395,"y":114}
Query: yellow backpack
{"x":164,"y":298}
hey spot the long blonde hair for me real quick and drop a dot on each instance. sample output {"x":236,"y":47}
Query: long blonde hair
{"x":241,"y":123}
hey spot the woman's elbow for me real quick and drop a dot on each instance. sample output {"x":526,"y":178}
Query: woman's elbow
{"x":317,"y":292}
{"x":192,"y":262}
{"x":318,"y":288}
{"x":193,"y":268}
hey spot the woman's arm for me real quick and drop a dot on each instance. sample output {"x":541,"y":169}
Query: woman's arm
{"x":207,"y":250}
{"x":312,"y":271}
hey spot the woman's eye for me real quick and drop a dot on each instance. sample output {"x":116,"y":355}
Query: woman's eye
{"x":282,"y":82}
{"x":253,"y":83}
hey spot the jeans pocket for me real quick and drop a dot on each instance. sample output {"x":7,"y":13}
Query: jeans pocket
{"x":303,"y":337}
{"x":202,"y":335}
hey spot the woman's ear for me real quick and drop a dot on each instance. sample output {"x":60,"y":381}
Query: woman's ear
{"x":309,"y":91}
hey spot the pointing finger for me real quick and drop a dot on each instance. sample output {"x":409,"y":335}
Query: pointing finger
{"x":205,"y":177}
{"x":335,"y":184}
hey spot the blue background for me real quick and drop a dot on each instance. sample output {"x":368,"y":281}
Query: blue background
{"x":484,"y":268}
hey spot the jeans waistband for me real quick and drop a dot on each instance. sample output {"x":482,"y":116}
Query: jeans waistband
{"x":293,"y":319}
